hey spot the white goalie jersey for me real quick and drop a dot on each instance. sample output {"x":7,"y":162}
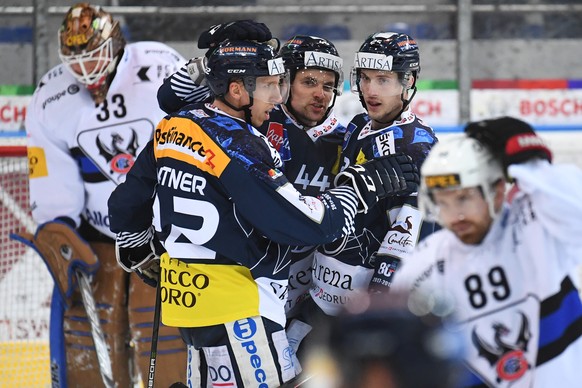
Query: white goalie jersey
{"x":514,"y":294}
{"x":80,"y":151}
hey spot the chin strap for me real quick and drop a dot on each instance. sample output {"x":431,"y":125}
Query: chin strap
{"x":245,"y":108}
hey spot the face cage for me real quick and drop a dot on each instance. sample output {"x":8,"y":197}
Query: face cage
{"x":102,"y":56}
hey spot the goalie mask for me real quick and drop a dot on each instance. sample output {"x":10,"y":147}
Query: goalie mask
{"x":388,"y":52}
{"x":90,"y":44}
{"x":458,"y":162}
{"x":303,"y":52}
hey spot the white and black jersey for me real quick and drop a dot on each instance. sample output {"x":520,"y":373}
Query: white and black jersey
{"x":519,"y":310}
{"x":80,"y":151}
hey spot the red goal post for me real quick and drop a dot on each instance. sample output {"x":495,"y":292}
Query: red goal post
{"x":25,"y":284}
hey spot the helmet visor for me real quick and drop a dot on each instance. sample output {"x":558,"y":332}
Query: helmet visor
{"x":375,"y":83}
{"x":447,"y":206}
{"x":316,"y":81}
{"x":272,"y":89}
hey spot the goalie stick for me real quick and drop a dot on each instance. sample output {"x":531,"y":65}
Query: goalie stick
{"x":96,"y":331}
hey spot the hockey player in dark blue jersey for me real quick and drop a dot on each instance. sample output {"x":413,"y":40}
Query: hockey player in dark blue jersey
{"x":384,"y":76}
{"x":305,"y":130}
{"x":227,"y":215}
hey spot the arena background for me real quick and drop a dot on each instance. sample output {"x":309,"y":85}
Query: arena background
{"x":479,"y":59}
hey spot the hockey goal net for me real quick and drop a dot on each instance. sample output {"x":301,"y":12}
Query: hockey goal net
{"x":25,"y":284}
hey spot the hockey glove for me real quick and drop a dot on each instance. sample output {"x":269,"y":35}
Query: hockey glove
{"x":511,"y":141}
{"x":140,"y":253}
{"x":384,"y":268}
{"x":195,"y":67}
{"x":236,"y":30}
{"x":379,"y":178}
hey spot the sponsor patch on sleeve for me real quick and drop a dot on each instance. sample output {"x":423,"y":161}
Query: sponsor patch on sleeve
{"x":37,"y":162}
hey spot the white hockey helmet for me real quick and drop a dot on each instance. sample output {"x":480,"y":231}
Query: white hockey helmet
{"x":90,"y":40}
{"x":458,"y":162}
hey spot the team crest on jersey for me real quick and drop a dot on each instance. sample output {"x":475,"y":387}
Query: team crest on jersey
{"x":501,"y":345}
{"x":113,"y":149}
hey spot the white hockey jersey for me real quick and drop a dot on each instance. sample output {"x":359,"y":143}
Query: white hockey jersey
{"x":78,"y":151}
{"x":518,"y":307}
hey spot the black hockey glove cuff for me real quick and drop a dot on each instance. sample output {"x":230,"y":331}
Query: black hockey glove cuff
{"x":384,"y":268}
{"x":511,"y":141}
{"x":140,"y":253}
{"x":379,"y":178}
{"x":236,"y":30}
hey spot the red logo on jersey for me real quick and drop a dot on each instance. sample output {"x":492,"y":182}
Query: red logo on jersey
{"x":275,"y":135}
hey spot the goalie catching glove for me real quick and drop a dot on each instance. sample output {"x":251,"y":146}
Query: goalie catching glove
{"x":140,"y":253}
{"x":380,"y":178}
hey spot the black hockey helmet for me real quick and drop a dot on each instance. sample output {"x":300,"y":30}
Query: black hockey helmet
{"x":388,"y":51}
{"x":303,"y":52}
{"x":241,"y":59}
{"x":401,"y":47}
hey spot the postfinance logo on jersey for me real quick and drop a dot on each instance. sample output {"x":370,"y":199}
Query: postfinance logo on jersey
{"x":182,"y":139}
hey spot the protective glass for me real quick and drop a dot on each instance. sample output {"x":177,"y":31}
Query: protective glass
{"x":319,"y":80}
{"x":449,"y":205}
{"x":272,"y":89}
{"x":375,"y":82}
{"x":90,"y":67}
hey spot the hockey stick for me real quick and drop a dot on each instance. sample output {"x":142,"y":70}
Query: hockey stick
{"x":155,"y":331}
{"x":96,"y":332}
{"x":297,"y":382}
{"x":302,"y":382}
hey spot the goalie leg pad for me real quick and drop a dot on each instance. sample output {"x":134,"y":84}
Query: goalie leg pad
{"x":172,"y":357}
{"x":62,"y":250}
{"x":109,"y":290}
